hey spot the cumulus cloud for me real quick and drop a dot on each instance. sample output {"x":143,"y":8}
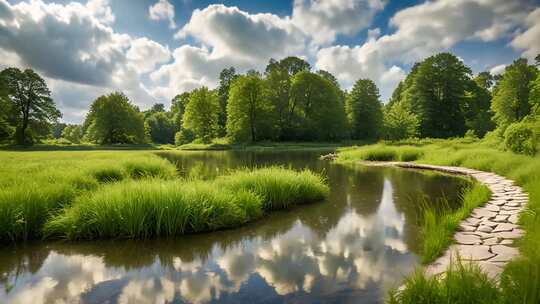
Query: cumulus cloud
{"x":145,"y":54}
{"x":324,"y":20}
{"x":422,"y":30}
{"x":163,"y":10}
{"x":497,"y":70}
{"x":529,"y":40}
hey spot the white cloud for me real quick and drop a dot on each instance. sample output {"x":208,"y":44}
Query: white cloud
{"x":145,"y":54}
{"x":229,"y":31}
{"x":163,"y":10}
{"x":529,"y":40}
{"x":497,"y":70}
{"x":324,"y":20}
{"x":422,"y":30}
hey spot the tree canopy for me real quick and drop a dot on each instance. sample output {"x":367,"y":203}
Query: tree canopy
{"x":364,"y":110}
{"x":28,"y":104}
{"x":202,"y":114}
{"x":113,"y":119}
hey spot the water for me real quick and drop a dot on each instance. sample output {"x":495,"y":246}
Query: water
{"x":348,"y":249}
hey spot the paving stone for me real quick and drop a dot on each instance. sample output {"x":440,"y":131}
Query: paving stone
{"x":464,"y":227}
{"x":480,"y":212}
{"x":472,"y":221}
{"x":506,"y":242}
{"x":514,"y":234}
{"x":513,"y":218}
{"x":508,"y":212}
{"x":488,"y":223}
{"x":493,"y":270}
{"x":504,"y":253}
{"x":501,"y":218}
{"x":474,"y":252}
{"x":467,"y":239}
{"x":493,"y":208}
{"x":498,"y":202}
{"x":491,"y":241}
{"x":504,"y":227}
{"x":484,"y":228}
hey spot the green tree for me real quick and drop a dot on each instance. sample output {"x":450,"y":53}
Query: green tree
{"x":113,"y":119}
{"x":226,"y":77}
{"x":202,"y":114}
{"x":6,"y":130}
{"x":156,"y":108}
{"x":476,"y":108}
{"x":534,"y":95}
{"x":435,"y":92}
{"x":160,"y":128}
{"x":32,"y":111}
{"x":400,"y":122}
{"x":315,"y":111}
{"x":511,"y":94}
{"x":250,"y":115}
{"x":364,"y":110}
{"x":73,"y":133}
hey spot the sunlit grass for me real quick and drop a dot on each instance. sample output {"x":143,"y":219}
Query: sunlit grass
{"x":154,"y":207}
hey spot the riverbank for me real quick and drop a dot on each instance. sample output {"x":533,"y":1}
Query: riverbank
{"x":65,"y":191}
{"x":520,"y":280}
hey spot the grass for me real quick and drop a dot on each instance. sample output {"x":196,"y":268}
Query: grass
{"x":521,"y":277}
{"x":463,"y":283}
{"x":439,"y":224}
{"x":154,"y":207}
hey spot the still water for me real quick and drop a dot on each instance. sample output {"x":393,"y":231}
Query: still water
{"x":348,"y":249}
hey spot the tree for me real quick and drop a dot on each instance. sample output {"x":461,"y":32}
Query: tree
{"x":278,"y":77}
{"x":32,"y":109}
{"x":364,"y":110}
{"x":202,"y":114}
{"x":511,"y":94}
{"x":156,"y":108}
{"x":315,"y":111}
{"x":400,"y":122}
{"x":160,"y":128}
{"x":178,"y":107}
{"x":436,"y":92}
{"x":249,"y":113}
{"x":476,"y":108}
{"x":226,"y":78}
{"x":534,"y":95}
{"x":73,"y":133}
{"x":113,"y":119}
{"x":6,"y":130}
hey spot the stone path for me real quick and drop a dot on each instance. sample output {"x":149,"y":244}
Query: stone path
{"x":487,"y":235}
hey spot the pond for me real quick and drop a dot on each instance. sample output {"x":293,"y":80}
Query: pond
{"x":348,"y":249}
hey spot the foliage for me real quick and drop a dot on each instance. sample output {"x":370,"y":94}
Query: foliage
{"x":534,"y":95}
{"x":73,"y":133}
{"x":435,"y":91}
{"x":511,"y":94}
{"x":522,"y":137}
{"x":250,"y":116}
{"x":476,"y":108}
{"x":315,"y":110}
{"x":113,"y":119}
{"x":399,"y":122}
{"x":202,"y":114}
{"x":184,"y":136}
{"x":364,"y":110}
{"x":160,"y":128}
{"x":226,"y":78}
{"x":29,"y":105}
{"x":463,"y":283}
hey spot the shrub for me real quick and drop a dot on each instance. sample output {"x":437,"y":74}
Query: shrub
{"x":521,"y":138}
{"x":152,"y":167}
{"x":184,"y":136}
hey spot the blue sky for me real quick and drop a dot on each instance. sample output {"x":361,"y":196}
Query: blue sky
{"x":154,"y":49}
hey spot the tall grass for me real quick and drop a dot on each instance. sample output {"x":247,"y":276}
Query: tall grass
{"x":439,"y":223}
{"x":151,"y":208}
{"x":463,"y":283}
{"x":36,"y":185}
{"x":520,"y":280}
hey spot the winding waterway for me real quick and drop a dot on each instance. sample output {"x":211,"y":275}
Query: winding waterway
{"x":348,"y":249}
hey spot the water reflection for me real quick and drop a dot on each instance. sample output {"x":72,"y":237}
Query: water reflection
{"x":350,"y":248}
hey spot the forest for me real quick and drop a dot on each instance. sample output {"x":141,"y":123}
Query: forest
{"x":439,"y":98}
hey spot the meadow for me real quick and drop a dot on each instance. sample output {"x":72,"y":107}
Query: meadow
{"x":134,"y":194}
{"x":520,"y":281}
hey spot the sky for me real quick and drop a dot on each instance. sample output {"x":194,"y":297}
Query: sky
{"x":154,"y":49}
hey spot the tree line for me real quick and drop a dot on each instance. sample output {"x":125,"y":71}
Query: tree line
{"x":439,"y":98}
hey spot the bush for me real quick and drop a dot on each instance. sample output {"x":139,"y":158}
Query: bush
{"x":184,"y":136}
{"x":521,"y":138}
